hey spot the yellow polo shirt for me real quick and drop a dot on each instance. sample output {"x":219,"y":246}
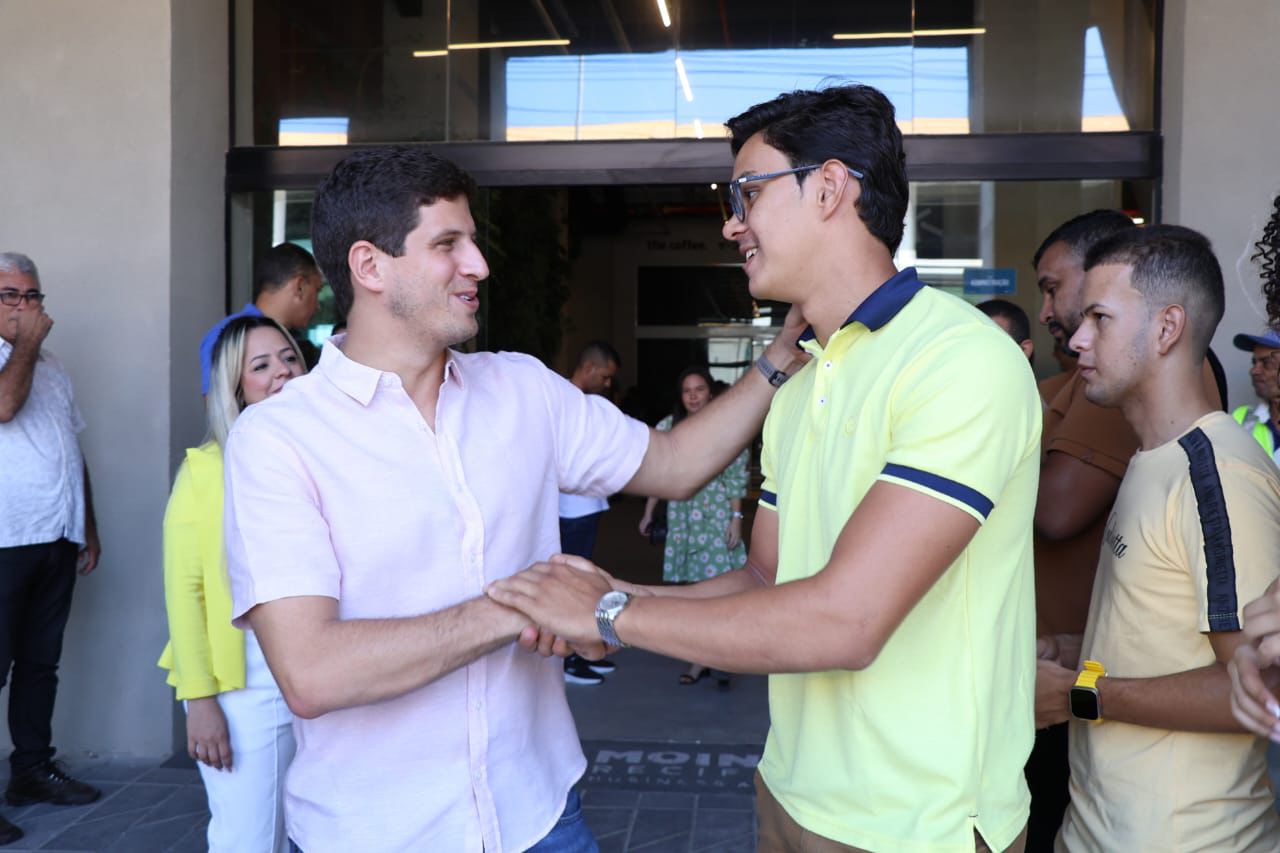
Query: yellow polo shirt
{"x":928,"y":743}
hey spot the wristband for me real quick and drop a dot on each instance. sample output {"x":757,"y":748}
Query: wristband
{"x":775,"y":376}
{"x":735,"y":514}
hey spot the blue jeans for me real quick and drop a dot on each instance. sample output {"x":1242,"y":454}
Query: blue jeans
{"x":570,"y":834}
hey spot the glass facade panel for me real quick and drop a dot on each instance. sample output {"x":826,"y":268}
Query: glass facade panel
{"x":351,"y":71}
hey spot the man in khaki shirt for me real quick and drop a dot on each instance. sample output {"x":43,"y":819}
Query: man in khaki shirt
{"x":1086,"y":452}
{"x":1086,"y":449}
{"x":1157,"y":760}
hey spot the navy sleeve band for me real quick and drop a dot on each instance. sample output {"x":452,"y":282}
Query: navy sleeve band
{"x":769,"y":498}
{"x":972,"y":498}
{"x":1215,"y":528}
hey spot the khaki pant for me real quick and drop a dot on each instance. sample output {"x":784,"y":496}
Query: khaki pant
{"x":779,"y":833}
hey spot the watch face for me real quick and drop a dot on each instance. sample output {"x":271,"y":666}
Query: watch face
{"x":613,"y":600}
{"x":1084,"y":704}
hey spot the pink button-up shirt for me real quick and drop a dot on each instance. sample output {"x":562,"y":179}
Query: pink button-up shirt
{"x":338,"y":487}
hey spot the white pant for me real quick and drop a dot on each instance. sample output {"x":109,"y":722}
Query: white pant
{"x":247,"y":803}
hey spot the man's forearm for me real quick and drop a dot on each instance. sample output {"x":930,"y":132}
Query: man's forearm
{"x":345,"y":663}
{"x":15,"y":380}
{"x":1198,"y":700}
{"x":761,"y":630}
{"x":681,"y":461}
{"x":729,"y":583}
{"x":685,"y":459}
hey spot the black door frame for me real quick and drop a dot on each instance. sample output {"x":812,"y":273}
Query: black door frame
{"x":1135,"y":155}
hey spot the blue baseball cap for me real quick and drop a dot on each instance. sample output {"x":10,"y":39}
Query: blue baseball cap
{"x":1269,"y":338}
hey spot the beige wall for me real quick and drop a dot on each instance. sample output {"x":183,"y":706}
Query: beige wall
{"x":1220,"y":129}
{"x":115,"y":128}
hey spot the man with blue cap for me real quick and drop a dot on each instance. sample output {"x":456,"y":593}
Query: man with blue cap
{"x":1261,"y":420}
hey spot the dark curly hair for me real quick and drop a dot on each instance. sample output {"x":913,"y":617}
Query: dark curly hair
{"x":1266,"y":256}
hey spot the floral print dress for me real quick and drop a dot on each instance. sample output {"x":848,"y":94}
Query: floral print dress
{"x":696,"y":528}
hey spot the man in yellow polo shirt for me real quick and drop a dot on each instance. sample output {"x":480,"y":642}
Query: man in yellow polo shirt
{"x":1158,"y":763}
{"x":889,"y":585}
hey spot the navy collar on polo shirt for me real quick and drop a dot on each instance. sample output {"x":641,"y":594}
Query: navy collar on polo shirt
{"x":882,"y":305}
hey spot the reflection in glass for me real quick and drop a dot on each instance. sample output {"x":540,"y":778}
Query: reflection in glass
{"x":430,"y":70}
{"x":641,"y":96}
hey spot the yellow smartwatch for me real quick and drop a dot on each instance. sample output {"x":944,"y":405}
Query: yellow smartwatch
{"x":1085,"y":702}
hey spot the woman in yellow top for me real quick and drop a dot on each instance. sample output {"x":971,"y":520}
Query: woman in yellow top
{"x":239,"y":729}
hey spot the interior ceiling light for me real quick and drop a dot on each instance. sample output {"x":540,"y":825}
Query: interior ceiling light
{"x":423,"y":54}
{"x":487,"y":45}
{"x":684,"y":80}
{"x":960,"y":31}
{"x":666,"y":15}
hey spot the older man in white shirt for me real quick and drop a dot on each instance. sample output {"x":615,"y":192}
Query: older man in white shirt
{"x":47,"y":531}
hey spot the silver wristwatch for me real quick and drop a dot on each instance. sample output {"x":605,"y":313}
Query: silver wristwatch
{"x":611,"y":604}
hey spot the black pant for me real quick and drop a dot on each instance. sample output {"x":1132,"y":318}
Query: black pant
{"x":578,"y":535}
{"x":1047,"y":775}
{"x":35,"y":598}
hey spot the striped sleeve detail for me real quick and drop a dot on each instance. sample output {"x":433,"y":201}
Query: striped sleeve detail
{"x":1215,"y":527}
{"x":769,"y":499}
{"x":971,"y":498}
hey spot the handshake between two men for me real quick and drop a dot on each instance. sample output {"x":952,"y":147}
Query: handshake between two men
{"x":559,"y":598}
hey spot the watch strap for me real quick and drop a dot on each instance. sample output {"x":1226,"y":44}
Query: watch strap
{"x":604,"y":620}
{"x":1090,"y":674}
{"x":1087,"y":682}
{"x":775,"y":376}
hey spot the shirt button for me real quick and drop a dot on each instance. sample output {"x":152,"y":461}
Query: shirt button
{"x":822,"y":401}
{"x":827,"y":365}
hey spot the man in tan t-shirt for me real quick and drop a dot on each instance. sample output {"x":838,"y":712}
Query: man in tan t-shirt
{"x":1086,"y":452}
{"x":1086,"y":449}
{"x":1157,"y":760}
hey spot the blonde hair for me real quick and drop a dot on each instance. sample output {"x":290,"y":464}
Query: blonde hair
{"x":225,"y":400}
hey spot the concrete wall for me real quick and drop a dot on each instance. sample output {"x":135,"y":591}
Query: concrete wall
{"x":115,"y":118}
{"x":1221,"y":169}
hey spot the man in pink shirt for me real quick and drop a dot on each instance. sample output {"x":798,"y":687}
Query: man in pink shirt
{"x":370,"y":503}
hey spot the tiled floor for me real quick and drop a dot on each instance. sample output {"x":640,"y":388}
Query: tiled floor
{"x":640,"y":716}
{"x":666,"y":822}
{"x":144,"y":808}
{"x":147,"y":809}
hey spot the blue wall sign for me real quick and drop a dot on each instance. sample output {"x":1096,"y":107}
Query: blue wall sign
{"x":988,"y":281}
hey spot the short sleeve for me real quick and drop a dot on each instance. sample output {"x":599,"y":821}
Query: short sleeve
{"x":964,"y":414}
{"x":1088,"y":432}
{"x":1229,"y":520}
{"x":278,"y":542}
{"x":598,"y":448}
